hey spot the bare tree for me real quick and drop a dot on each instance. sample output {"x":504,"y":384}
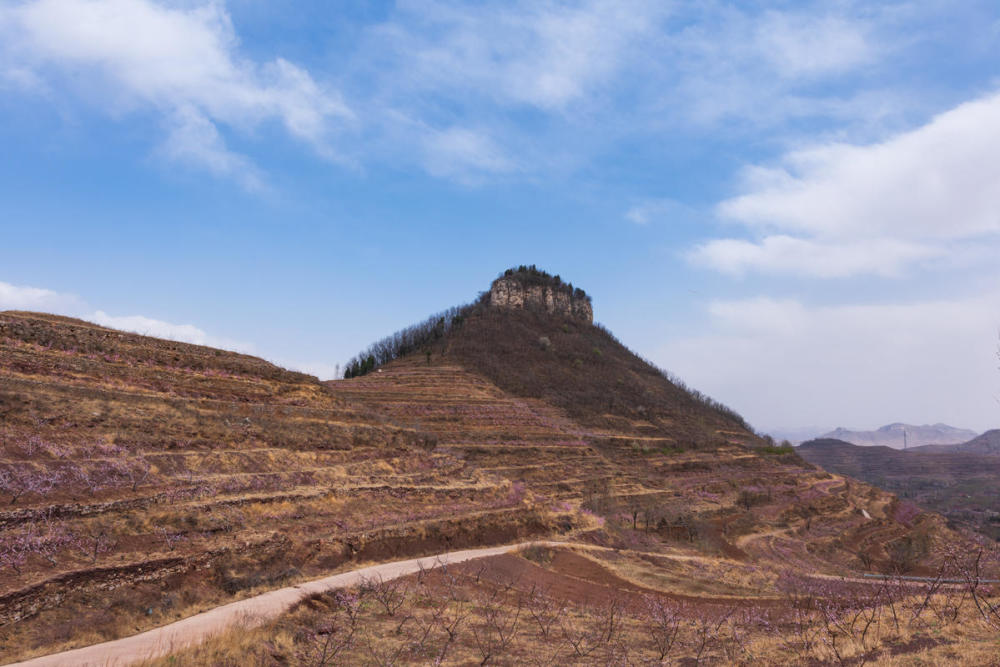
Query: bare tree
{"x":545,"y":610}
{"x":501,"y":618}
{"x":662,"y":622}
{"x":334,"y":636}
{"x":390,"y":594}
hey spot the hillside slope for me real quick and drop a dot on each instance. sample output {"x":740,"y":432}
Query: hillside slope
{"x":621,"y":439}
{"x":143,"y":479}
{"x":987,"y":444}
{"x":960,"y":485}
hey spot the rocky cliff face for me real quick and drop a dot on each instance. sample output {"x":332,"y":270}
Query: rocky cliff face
{"x":509,"y":292}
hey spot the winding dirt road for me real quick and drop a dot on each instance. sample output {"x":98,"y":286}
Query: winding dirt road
{"x":195,"y":629}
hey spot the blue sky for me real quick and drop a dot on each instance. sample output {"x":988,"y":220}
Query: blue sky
{"x":793,"y":206}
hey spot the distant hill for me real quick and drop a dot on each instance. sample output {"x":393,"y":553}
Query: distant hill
{"x":897,"y":435}
{"x":956,"y":482}
{"x":796,"y":435}
{"x":987,"y":444}
{"x":849,"y":459}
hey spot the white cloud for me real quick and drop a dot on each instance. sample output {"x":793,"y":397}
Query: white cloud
{"x":786,"y":255}
{"x":941,"y":180}
{"x":597,"y":70}
{"x":21,"y":79}
{"x":38,"y":299}
{"x":734,"y":67}
{"x":147,"y":326}
{"x":21,"y":297}
{"x":877,"y":208}
{"x":783,"y":363}
{"x":142,"y":55}
{"x":542,"y":86}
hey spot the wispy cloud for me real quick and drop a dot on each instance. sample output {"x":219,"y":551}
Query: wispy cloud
{"x":463,"y":154}
{"x":661,"y":210}
{"x":545,"y":55}
{"x":492,"y":88}
{"x":131,"y":55}
{"x":194,"y":139}
{"x":741,"y":69}
{"x":806,"y":44}
{"x":569,"y":79}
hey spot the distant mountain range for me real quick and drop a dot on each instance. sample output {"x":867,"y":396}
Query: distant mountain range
{"x":900,"y":436}
{"x":988,"y":443}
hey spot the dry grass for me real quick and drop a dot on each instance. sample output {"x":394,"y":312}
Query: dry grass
{"x":255,"y":477}
{"x":507,"y":612}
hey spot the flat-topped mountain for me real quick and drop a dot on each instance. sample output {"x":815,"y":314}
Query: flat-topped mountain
{"x":528,"y":287}
{"x":558,"y":355}
{"x":900,"y":436}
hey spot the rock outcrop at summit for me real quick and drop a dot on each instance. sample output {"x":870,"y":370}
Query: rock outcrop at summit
{"x":515,"y":291}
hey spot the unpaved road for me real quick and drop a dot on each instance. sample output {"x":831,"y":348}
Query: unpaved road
{"x":197,"y":628}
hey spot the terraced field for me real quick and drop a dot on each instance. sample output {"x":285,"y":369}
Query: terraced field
{"x":143,"y":480}
{"x":641,"y":490}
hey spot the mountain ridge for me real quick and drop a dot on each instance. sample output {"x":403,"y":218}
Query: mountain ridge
{"x":899,"y":435}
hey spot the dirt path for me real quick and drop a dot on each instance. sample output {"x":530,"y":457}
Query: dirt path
{"x":255,"y":610}
{"x":744,"y":540}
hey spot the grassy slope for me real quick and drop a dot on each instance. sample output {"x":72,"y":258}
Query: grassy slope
{"x":626,"y":443}
{"x":585,"y":371}
{"x":257,"y":476}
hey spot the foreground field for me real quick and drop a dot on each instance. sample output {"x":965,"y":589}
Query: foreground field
{"x":550,"y":605}
{"x":196,"y":629}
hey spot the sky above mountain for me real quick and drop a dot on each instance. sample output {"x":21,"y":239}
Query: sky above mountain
{"x":792,"y":206}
